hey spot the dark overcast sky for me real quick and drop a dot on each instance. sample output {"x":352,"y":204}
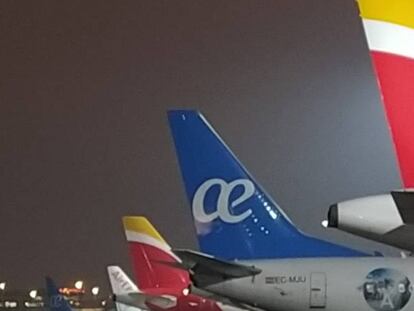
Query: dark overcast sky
{"x":83,"y":93}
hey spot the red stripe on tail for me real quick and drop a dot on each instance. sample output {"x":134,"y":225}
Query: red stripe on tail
{"x":396,"y":79}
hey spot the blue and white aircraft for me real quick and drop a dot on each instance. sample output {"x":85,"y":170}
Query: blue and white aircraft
{"x":234,"y":217}
{"x":278,"y":267}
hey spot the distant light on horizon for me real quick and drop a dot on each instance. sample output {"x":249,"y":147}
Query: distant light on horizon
{"x":33,"y":293}
{"x":79,"y":284}
{"x":95,"y":290}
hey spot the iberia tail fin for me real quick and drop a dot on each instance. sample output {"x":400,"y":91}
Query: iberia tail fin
{"x":154,"y":263}
{"x":389,"y":28}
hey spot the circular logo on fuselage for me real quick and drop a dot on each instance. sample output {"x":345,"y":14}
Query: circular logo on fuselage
{"x":387,"y":289}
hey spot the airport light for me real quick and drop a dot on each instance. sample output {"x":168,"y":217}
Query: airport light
{"x":10,"y":304}
{"x":95,"y":290}
{"x":33,"y":293}
{"x":186,"y":291}
{"x":324,"y":223}
{"x":2,"y":286}
{"x":79,"y":284}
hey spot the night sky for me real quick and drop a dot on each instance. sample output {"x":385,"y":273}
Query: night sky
{"x":84,"y":90}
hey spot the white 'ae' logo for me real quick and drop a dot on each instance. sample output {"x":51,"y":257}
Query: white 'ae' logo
{"x":223,"y":205}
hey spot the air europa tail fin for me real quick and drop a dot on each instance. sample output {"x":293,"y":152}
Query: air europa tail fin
{"x":389,"y":28}
{"x":234,"y":217}
{"x":56,"y":300}
{"x":152,"y":258}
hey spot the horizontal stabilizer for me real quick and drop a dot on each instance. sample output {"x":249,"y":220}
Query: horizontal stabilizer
{"x":386,"y":218}
{"x":205,"y":264}
{"x":144,"y":301}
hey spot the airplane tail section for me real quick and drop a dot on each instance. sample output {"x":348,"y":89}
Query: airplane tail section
{"x":154,"y":263}
{"x":56,"y":300}
{"x":234,"y":217}
{"x":389,"y":28}
{"x":121,"y":284}
{"x":128,"y":297}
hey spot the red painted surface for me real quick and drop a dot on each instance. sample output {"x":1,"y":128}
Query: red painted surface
{"x":154,"y":268}
{"x":396,"y":79}
{"x":156,"y":275}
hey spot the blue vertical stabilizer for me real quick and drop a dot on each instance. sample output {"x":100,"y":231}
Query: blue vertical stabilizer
{"x":233,"y":216}
{"x":56,"y":300}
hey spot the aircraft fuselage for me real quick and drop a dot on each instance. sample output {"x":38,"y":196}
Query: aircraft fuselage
{"x":337,"y":284}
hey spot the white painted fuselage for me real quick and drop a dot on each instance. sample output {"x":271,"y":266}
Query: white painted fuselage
{"x":337,"y":284}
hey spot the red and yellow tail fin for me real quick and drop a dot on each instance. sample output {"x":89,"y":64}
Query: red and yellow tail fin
{"x":154,"y":263}
{"x":389,"y":28}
